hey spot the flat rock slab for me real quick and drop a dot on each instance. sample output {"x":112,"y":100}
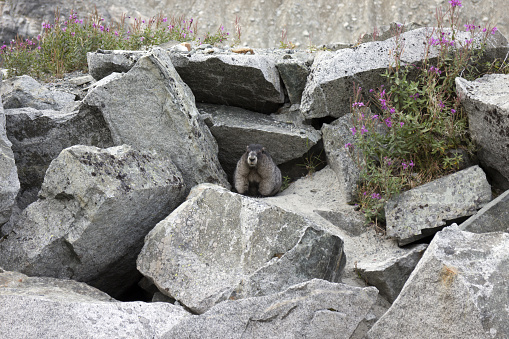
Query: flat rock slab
{"x":334,"y":75}
{"x":95,"y":208}
{"x":313,"y":309}
{"x":494,"y":217}
{"x":389,"y":276}
{"x":34,"y":307}
{"x":103,"y":63}
{"x":234,"y":128}
{"x":247,"y":81}
{"x":457,"y":290}
{"x":220,"y":245}
{"x":486,"y":101}
{"x":423,"y":210}
{"x":38,"y":137}
{"x":25,"y":91}
{"x":151,"y":108}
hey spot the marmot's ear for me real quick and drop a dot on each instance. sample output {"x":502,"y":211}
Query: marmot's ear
{"x":263,"y":149}
{"x":247,"y":148}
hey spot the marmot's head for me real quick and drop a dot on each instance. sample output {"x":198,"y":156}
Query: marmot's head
{"x":253,"y":152}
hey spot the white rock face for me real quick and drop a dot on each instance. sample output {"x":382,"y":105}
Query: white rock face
{"x":457,"y":290}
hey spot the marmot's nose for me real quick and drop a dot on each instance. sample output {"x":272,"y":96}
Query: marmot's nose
{"x":252,"y":159}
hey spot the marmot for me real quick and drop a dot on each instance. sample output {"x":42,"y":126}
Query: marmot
{"x":256,"y":173}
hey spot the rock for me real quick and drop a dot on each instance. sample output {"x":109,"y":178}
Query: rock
{"x":103,"y":63}
{"x":340,"y":158}
{"x":9,"y":182}
{"x":351,"y":223}
{"x":38,"y":137}
{"x":486,"y":102}
{"x":150,"y":108}
{"x":388,"y":31}
{"x":390,"y":275}
{"x":312,"y":309}
{"x":43,"y":307}
{"x":95,"y":208}
{"x":424,"y":210}
{"x":219,"y":245}
{"x":493,"y":217}
{"x":247,"y":81}
{"x":234,"y":128}
{"x":24,"y":91}
{"x":294,"y":73}
{"x":458,"y":290}
{"x":334,"y":74}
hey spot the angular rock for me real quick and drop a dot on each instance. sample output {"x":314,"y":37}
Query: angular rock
{"x":24,"y":91}
{"x":103,"y":63}
{"x":150,"y":107}
{"x":493,"y":217}
{"x":486,"y":102}
{"x":389,"y":276}
{"x":234,"y":128}
{"x":353,"y":224}
{"x":38,"y":137}
{"x":334,"y":74}
{"x":340,"y":158}
{"x":43,"y":307}
{"x":457,"y":290}
{"x":313,"y":309}
{"x":424,"y":210}
{"x":219,"y":245}
{"x":294,"y":73}
{"x":95,"y":208}
{"x":247,"y":81}
{"x":9,"y":182}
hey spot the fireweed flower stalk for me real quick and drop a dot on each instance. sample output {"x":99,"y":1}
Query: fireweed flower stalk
{"x":417,"y":120}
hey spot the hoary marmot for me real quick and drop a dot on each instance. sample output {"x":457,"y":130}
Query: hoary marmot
{"x":256,"y":173}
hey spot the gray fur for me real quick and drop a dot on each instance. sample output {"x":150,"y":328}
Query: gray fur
{"x":256,"y":173}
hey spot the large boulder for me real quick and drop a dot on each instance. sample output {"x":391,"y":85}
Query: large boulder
{"x":493,"y":217}
{"x":485,"y":101}
{"x":294,"y":70}
{"x":150,"y":107}
{"x":34,"y":307}
{"x":38,"y":137}
{"x":389,"y":276}
{"x":220,"y":245}
{"x":426,"y":209}
{"x":313,"y":309}
{"x":103,"y":63}
{"x":247,"y":81}
{"x":234,"y":128}
{"x":333,"y":75}
{"x":457,"y":290}
{"x":24,"y":91}
{"x":9,"y":182}
{"x":95,"y":208}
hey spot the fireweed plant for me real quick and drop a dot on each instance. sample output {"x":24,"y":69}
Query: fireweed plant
{"x":415,"y":130}
{"x":64,"y":44}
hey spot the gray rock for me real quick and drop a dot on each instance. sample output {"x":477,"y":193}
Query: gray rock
{"x":340,"y":158}
{"x":424,"y":210}
{"x":38,"y":137}
{"x":294,"y":73}
{"x":313,"y":309}
{"x":103,"y":63}
{"x":388,"y":31}
{"x":457,"y":290}
{"x":219,"y":245}
{"x":9,"y":182}
{"x":390,"y":275}
{"x":95,"y":208}
{"x":493,"y":217}
{"x":35,"y":307}
{"x":334,"y":74}
{"x":24,"y":91}
{"x":150,"y":107}
{"x":486,"y":102}
{"x":353,"y":224}
{"x":247,"y":81}
{"x":234,"y":128}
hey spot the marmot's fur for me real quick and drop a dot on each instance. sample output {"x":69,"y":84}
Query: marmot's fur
{"x":256,"y":173}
